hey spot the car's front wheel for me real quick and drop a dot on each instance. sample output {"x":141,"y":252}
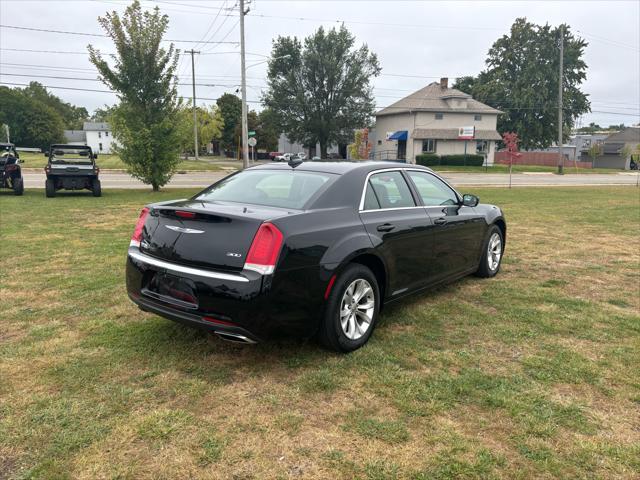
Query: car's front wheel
{"x":352,"y":310}
{"x":492,"y":253}
{"x":49,"y":188}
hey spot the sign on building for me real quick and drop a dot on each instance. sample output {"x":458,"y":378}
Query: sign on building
{"x":466,"y":133}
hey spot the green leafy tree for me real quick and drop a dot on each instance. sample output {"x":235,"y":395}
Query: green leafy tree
{"x":268,"y":130}
{"x":145,"y":122}
{"x":626,"y":152}
{"x":72,"y":116}
{"x":594,"y":151}
{"x":320,"y":90}
{"x":230,"y":107}
{"x":210,"y":125}
{"x":521,"y":79}
{"x":361,"y":147}
{"x":32,"y":123}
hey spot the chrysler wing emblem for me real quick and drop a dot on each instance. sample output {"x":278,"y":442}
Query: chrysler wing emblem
{"x":183,"y":230}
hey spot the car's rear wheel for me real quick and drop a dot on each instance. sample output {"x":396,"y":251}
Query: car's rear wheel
{"x":18,"y":186}
{"x":492,"y":253}
{"x":96,"y":188}
{"x":49,"y":188}
{"x":352,"y":310}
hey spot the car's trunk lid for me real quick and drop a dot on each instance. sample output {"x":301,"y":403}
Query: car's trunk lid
{"x":201,"y":234}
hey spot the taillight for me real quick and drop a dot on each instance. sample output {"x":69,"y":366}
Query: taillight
{"x":11,"y":168}
{"x":137,"y":232}
{"x":264,"y":250}
{"x":183,"y":214}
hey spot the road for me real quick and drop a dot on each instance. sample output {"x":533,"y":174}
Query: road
{"x":202,"y":179}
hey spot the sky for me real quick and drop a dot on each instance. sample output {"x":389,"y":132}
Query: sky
{"x":416,"y":42}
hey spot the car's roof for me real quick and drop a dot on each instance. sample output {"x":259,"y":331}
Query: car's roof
{"x":338,"y":167}
{"x":68,"y":145}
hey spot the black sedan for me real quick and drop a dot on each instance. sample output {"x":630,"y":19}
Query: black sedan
{"x":308,"y":249}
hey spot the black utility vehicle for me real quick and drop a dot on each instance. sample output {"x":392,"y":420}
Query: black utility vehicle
{"x":308,"y":248}
{"x":10,"y":171}
{"x":71,"y":167}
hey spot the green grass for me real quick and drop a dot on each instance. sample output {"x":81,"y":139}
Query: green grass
{"x":38,"y":160}
{"x":532,"y":374}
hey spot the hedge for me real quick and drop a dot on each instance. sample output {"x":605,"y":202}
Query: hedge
{"x":430,"y":160}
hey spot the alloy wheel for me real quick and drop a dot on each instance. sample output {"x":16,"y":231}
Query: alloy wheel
{"x":494,"y":251}
{"x":356,"y":309}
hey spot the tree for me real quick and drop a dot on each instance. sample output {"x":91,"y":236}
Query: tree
{"x":625,"y":152}
{"x":72,"y":116}
{"x":360,"y":148}
{"x":266,"y":126}
{"x":594,"y":151}
{"x":209,"y":122}
{"x":321,"y":92}
{"x":230,"y":107}
{"x":145,"y":121}
{"x":521,"y":79}
{"x":31,"y":122}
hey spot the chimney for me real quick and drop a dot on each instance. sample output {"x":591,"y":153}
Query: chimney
{"x":444,"y":83}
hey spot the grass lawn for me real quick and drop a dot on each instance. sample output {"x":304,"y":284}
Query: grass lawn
{"x":38,"y":160}
{"x":532,"y":374}
{"x":521,"y":169}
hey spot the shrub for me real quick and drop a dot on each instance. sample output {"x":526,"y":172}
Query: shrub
{"x":428,"y":159}
{"x":473,"y":160}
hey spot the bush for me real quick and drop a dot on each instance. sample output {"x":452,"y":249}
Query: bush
{"x":431,"y":159}
{"x":428,"y":159}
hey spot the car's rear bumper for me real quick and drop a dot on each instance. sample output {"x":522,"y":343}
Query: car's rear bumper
{"x":243,"y":303}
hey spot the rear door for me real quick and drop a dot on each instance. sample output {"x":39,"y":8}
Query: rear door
{"x":456,"y":230}
{"x":398,"y":228}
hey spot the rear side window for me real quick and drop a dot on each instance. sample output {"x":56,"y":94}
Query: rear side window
{"x":390,"y":190}
{"x":269,"y":188}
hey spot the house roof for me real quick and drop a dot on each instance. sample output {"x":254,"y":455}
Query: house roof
{"x":451,"y":134}
{"x":433,"y":97}
{"x":628,"y":135}
{"x":75,"y":135}
{"x":96,"y":127}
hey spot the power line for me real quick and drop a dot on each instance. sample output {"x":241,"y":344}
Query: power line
{"x":85,"y":34}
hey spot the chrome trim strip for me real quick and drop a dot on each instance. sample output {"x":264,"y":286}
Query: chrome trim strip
{"x":141,"y":257}
{"x":400,"y":169}
{"x":237,"y":338}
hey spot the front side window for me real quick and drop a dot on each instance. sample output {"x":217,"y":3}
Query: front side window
{"x":432,"y":190}
{"x":428,"y":146}
{"x":390,"y":190}
{"x":285,"y":189}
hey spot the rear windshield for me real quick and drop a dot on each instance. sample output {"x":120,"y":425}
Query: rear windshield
{"x":270,"y":188}
{"x":68,"y":155}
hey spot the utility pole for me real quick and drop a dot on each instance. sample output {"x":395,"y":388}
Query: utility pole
{"x":560,"y":78}
{"x":245,"y":128}
{"x":195,"y":119}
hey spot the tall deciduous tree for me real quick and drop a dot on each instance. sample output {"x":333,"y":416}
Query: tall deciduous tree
{"x":72,"y":116}
{"x":230,"y":107}
{"x":209,"y":121}
{"x":521,"y":79}
{"x":321,"y":90}
{"x":145,"y":120}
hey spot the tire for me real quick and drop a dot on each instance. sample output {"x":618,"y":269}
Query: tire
{"x":489,"y":264}
{"x":332,"y":334}
{"x":96,"y":188}
{"x":18,"y":186}
{"x":49,"y":188}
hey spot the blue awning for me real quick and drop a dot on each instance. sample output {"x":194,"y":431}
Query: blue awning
{"x":399,"y":135}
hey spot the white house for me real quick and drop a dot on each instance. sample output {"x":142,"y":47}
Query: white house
{"x":99,"y":136}
{"x":429,"y":121}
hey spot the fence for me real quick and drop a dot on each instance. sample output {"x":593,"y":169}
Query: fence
{"x":549,"y":159}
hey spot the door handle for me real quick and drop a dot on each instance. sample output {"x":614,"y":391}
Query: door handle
{"x":385,"y":227}
{"x":440,"y":221}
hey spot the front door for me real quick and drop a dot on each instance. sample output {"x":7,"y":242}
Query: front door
{"x":402,"y":149}
{"x":399,"y":230}
{"x":456,"y":231}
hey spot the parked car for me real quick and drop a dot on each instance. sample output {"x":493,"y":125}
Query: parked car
{"x":273,"y":155}
{"x":318,"y":249}
{"x":10,"y":170}
{"x":287,"y":157}
{"x":71,"y":167}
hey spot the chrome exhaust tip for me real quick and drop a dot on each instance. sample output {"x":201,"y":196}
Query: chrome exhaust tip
{"x":235,"y":338}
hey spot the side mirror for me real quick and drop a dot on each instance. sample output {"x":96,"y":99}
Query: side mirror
{"x":469,"y":200}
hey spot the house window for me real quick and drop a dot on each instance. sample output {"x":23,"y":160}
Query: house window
{"x":428,"y":146}
{"x":439,"y":116}
{"x":477,"y":118}
{"x":106,"y":134}
{"x":379,"y":142}
{"x":482,"y":146}
{"x":99,"y":134}
{"x":100,"y":146}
